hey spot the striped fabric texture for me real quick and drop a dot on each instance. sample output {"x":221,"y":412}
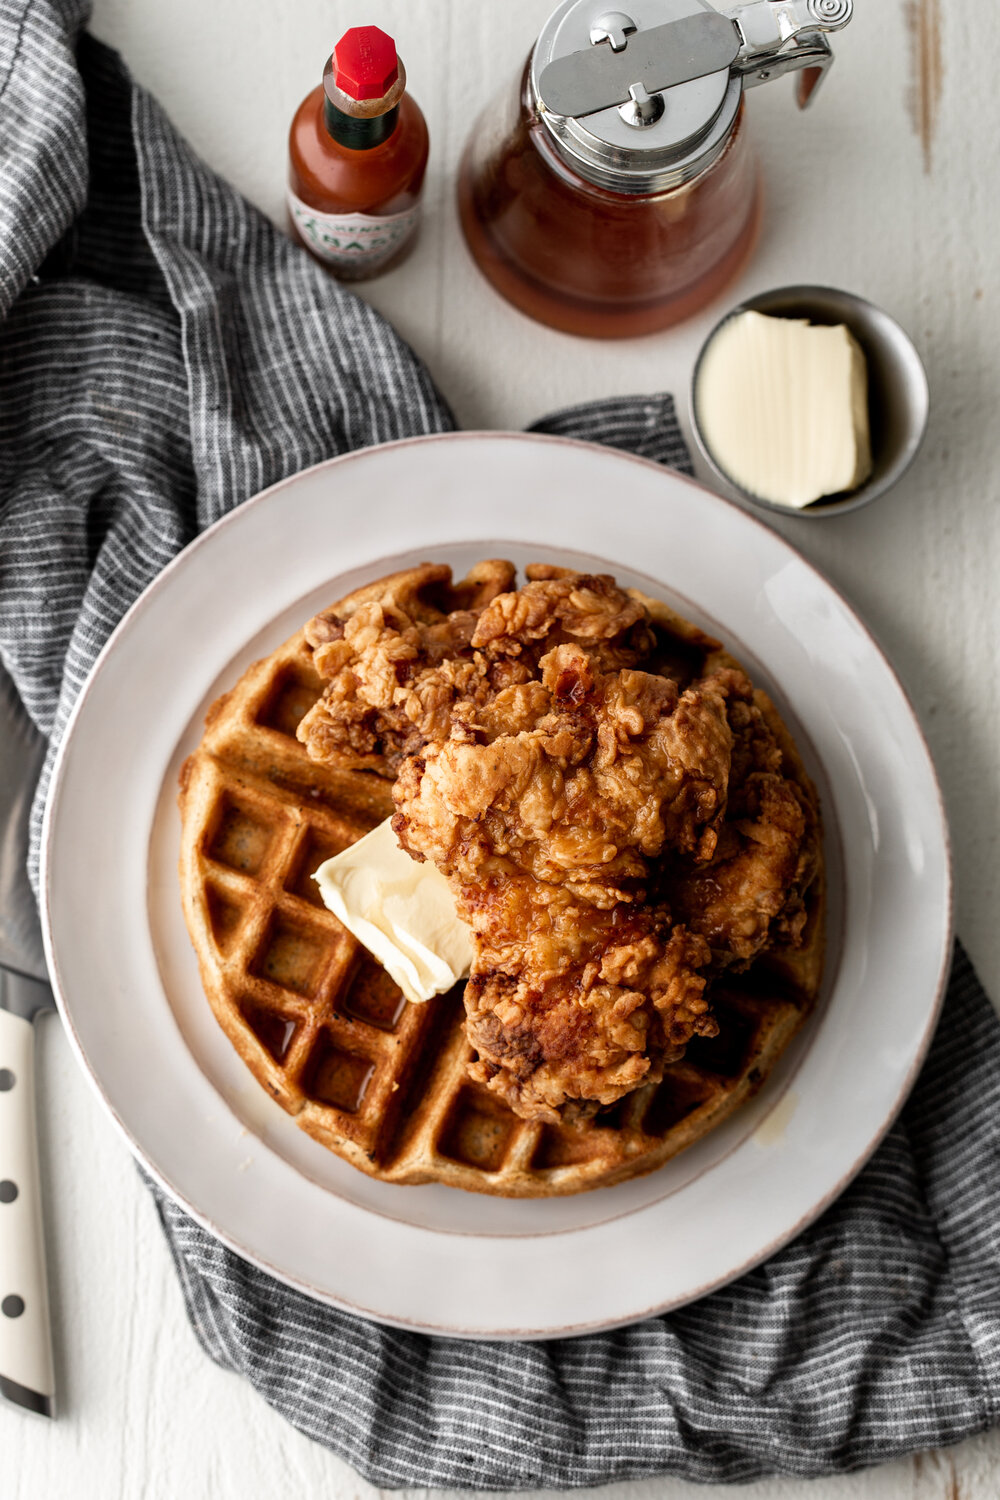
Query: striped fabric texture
{"x":164,"y":354}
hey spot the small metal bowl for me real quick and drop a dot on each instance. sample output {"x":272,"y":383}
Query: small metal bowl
{"x":898,"y":397}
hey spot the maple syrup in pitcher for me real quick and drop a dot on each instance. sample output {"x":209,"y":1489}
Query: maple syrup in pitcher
{"x":617,"y":191}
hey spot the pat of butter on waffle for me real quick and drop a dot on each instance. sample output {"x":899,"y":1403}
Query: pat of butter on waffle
{"x":401,"y":911}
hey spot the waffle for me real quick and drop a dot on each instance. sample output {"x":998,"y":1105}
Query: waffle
{"x":323,"y":1028}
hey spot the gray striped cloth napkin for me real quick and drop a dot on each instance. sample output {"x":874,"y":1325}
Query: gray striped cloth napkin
{"x":165,"y":353}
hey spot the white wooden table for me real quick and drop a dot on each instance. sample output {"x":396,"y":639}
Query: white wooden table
{"x":885,"y":188}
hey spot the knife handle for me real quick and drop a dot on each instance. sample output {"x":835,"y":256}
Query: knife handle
{"x":26,"y":1370}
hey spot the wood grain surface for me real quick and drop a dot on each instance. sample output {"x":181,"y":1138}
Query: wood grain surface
{"x":885,"y":187}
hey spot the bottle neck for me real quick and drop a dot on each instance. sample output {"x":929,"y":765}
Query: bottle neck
{"x":359,"y":134}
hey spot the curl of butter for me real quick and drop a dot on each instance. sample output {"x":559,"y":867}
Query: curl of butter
{"x":783,"y":408}
{"x":401,"y":911}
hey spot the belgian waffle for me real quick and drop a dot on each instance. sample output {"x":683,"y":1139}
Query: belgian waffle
{"x":323,"y":1028}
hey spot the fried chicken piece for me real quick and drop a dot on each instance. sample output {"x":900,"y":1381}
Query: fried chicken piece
{"x":545,"y":807}
{"x":559,"y":606}
{"x":585,"y":608}
{"x":578,"y":779}
{"x":733,"y":901}
{"x":393,"y":682}
{"x":750,"y":893}
{"x":594,"y":1004}
{"x":608,"y":837}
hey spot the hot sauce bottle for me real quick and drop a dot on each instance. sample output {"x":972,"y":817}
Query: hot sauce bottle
{"x":357,"y":155}
{"x":616,"y":191}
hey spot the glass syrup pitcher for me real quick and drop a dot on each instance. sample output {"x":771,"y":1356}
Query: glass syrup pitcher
{"x":616,"y":192}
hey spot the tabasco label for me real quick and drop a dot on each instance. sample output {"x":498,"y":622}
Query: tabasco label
{"x":352,"y":242}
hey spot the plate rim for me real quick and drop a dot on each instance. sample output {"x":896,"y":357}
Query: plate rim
{"x":203,"y":1218}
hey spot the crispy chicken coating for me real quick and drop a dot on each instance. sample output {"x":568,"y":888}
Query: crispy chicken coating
{"x":610,"y":836}
{"x":570,"y":1006}
{"x":749,"y":894}
{"x":577,"y":778}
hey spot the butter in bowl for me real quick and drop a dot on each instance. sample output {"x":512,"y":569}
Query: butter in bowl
{"x":809,"y":400}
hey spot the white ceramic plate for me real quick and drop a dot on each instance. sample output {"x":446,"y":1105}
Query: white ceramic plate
{"x":432,"y":1258}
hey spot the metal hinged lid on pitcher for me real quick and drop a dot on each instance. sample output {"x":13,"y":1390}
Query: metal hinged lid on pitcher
{"x":619,"y":192}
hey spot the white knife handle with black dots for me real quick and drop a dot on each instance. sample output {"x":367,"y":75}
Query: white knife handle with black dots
{"x":26,"y":1369}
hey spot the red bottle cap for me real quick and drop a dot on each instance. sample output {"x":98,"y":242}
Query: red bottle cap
{"x":365,"y":65}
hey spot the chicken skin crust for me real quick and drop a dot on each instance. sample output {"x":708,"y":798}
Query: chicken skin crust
{"x":612,"y":836}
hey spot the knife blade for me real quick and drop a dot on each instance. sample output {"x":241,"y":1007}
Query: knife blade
{"x":26,"y":1367}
